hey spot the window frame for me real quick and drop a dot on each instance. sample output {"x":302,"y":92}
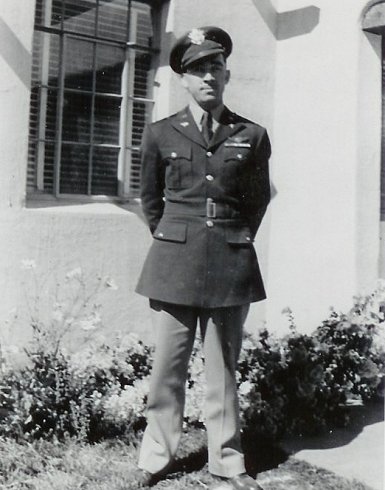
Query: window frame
{"x":125,"y":167}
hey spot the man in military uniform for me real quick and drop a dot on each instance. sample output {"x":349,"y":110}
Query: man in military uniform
{"x":205,"y":189}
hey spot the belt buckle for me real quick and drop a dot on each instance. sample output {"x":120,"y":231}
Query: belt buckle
{"x":211,"y":211}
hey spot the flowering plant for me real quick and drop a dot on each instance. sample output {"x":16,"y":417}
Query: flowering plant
{"x":298,"y":383}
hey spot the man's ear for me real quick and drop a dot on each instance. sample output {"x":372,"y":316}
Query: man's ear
{"x":183,"y":81}
{"x":227,"y":76}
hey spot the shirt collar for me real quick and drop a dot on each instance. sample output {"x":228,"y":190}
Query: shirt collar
{"x":197,"y":113}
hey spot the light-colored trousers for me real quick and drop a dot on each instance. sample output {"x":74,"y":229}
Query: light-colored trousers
{"x":221,"y":331}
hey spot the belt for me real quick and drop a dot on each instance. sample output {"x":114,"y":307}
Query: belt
{"x":208,"y":209}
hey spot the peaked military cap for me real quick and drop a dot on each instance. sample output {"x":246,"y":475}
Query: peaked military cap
{"x":198,"y":44}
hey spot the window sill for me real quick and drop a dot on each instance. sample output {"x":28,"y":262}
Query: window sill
{"x":80,"y":204}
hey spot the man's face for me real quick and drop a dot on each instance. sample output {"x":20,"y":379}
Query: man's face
{"x":206,"y":80}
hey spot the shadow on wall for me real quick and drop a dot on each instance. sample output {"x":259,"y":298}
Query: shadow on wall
{"x":15,"y":54}
{"x":284,"y":25}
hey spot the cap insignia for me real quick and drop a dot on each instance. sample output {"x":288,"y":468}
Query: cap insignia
{"x":197,"y":36}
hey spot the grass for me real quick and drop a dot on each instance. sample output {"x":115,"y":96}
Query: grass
{"x":108,"y":465}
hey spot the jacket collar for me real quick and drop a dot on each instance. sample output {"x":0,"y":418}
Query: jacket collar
{"x":230,"y":124}
{"x":185,"y":124}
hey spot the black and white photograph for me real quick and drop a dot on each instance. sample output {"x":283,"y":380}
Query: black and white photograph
{"x":192,"y":244}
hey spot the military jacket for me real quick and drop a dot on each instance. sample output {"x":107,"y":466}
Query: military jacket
{"x":203,"y":203}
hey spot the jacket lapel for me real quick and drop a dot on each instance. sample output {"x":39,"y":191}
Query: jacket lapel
{"x":229,"y":124}
{"x":185,"y":124}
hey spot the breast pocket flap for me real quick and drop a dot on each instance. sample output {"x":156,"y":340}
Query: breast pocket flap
{"x":171,"y":232}
{"x":177,"y":152}
{"x":238,"y":154}
{"x":239,"y":236}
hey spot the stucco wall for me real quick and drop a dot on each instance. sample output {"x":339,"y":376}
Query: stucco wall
{"x":103,"y":240}
{"x":325,"y":216}
{"x":304,"y":70}
{"x":16,"y":28}
{"x":252,"y":63}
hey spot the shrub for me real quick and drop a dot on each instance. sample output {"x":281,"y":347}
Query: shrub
{"x":89,"y":395}
{"x":303,"y":384}
{"x":298,"y":383}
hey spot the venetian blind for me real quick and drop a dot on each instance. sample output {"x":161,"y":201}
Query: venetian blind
{"x":90,"y":96}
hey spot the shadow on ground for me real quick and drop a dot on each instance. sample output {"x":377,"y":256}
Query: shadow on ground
{"x":359,"y":418}
{"x":263,"y":456}
{"x":192,"y":456}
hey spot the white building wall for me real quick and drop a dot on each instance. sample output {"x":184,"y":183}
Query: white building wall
{"x":16,"y":28}
{"x":306,"y":72}
{"x":102,"y":239}
{"x":324,"y":222}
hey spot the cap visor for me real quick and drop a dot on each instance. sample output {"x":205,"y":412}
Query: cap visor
{"x":202,"y":55}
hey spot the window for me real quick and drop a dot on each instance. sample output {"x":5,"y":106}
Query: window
{"x":90,"y":96}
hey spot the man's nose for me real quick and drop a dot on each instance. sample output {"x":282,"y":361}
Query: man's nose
{"x":208,"y":75}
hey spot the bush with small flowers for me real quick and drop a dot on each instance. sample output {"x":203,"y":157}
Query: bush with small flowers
{"x":304,"y":384}
{"x":295,"y":384}
{"x":97,"y":392}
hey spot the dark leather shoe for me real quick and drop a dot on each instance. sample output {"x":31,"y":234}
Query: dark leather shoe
{"x":238,"y":482}
{"x":244,"y":482}
{"x":141,"y":479}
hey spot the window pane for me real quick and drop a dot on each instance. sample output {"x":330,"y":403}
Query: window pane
{"x":104,"y":171}
{"x":109,"y":66}
{"x":48,"y":13}
{"x":79,"y":64}
{"x":107,"y":119}
{"x":31,"y":169}
{"x":89,"y":96}
{"x":74,"y":169}
{"x":34,"y":111}
{"x":144,"y":32}
{"x":77,"y":117}
{"x":49,"y":157}
{"x":45,"y":68}
{"x":142,"y":68}
{"x":140,"y":118}
{"x":135,"y":172}
{"x":56,"y":12}
{"x":80,"y":16}
{"x":51,"y":113}
{"x":112,"y":19}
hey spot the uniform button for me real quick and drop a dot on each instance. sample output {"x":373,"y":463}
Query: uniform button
{"x":248,"y":238}
{"x":209,"y":223}
{"x":209,"y":154}
{"x":173,"y":154}
{"x":209,"y":177}
{"x":239,"y":156}
{"x":160,"y":234}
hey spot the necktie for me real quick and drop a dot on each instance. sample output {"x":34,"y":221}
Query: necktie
{"x":207,"y":126}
